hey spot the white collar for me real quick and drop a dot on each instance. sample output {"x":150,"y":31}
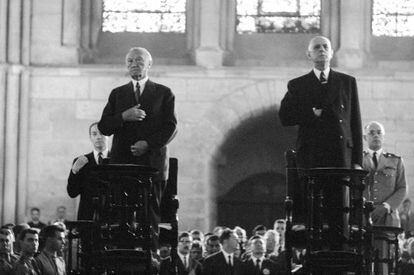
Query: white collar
{"x":104,"y":154}
{"x":141,"y":82}
{"x":255,"y":259}
{"x":226,"y":256}
{"x":182,"y":256}
{"x":379,"y":152}
{"x":318,"y":73}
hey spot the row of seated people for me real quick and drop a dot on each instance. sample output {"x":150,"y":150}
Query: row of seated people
{"x":21,"y":251}
{"x":197,"y":253}
{"x":26,"y":250}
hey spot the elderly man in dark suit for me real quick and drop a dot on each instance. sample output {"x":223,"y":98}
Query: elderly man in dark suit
{"x":141,"y":117}
{"x":324,"y":104}
{"x":78,"y":177}
{"x":224,"y":262}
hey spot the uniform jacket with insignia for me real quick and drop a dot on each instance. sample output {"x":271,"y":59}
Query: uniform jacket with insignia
{"x":386,"y":183}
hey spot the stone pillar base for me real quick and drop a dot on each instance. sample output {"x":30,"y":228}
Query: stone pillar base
{"x":351,"y":58}
{"x":209,"y":57}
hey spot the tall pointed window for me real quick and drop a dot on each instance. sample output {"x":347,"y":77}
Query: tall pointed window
{"x":143,"y":16}
{"x":393,"y":18}
{"x":278,"y":16}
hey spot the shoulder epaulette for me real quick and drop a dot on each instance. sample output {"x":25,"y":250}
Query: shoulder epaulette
{"x":390,"y":155}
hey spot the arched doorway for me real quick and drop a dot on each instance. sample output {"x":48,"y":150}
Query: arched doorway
{"x":256,"y":200}
{"x":250,"y":171}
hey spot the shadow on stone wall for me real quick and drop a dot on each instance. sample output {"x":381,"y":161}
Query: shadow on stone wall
{"x":252,"y":154}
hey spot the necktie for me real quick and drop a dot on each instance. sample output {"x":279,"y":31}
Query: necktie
{"x":374,"y":160}
{"x":185,"y":262}
{"x":230,"y":266}
{"x":137,"y":92}
{"x":100,"y":159}
{"x":322,"y":78}
{"x":258,"y":264}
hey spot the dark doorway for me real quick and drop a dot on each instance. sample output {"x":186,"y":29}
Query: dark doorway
{"x":256,"y":200}
{"x":250,"y":171}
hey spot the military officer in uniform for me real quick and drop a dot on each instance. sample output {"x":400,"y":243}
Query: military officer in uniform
{"x":386,"y":182}
{"x":386,"y":185}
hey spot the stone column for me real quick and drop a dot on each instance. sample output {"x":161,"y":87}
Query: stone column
{"x":14,"y":32}
{"x":11,"y":144}
{"x":354,"y":30}
{"x":3,"y":30}
{"x":13,"y":121}
{"x":3,"y":76}
{"x":209,"y":54}
{"x":23,"y":148}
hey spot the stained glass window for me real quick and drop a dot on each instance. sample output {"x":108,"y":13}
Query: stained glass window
{"x":278,"y":16}
{"x":146,"y":16}
{"x":393,"y":18}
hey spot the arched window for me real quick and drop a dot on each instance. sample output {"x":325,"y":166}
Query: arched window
{"x":164,"y":27}
{"x":287,"y":16}
{"x":144,"y":16}
{"x":393,"y":18}
{"x":276,"y":32}
{"x":392,"y":31}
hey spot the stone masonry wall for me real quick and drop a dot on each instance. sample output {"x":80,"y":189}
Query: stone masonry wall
{"x":209,"y":103}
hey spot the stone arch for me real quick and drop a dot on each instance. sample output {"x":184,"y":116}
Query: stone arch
{"x":249,"y":113}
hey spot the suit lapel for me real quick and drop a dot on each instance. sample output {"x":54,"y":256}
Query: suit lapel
{"x":314,"y":87}
{"x":91,"y":159}
{"x":148,"y":90}
{"x":313,"y":80}
{"x":130,"y":94}
{"x":333,"y":86}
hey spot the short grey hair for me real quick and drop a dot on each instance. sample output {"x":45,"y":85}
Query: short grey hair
{"x":374,"y":122}
{"x":140,"y":49}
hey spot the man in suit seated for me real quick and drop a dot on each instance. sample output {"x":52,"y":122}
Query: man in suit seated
{"x":407,"y":218}
{"x":78,"y":177}
{"x":224,"y":262}
{"x":181,"y":263}
{"x":49,"y":261}
{"x":35,"y":219}
{"x":7,"y":256}
{"x":29,"y":243}
{"x":257,"y":264}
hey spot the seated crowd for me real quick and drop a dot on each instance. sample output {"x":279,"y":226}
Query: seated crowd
{"x":37,"y":248}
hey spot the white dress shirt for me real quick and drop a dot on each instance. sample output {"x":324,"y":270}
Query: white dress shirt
{"x":104,"y":154}
{"x":318,"y":73}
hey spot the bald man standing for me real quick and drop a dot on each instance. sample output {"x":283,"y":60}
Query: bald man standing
{"x":387,"y":186}
{"x":324,"y":104}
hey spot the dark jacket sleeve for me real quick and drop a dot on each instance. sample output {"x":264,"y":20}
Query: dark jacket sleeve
{"x":356,"y":126}
{"x":75,"y":181}
{"x":111,"y":120}
{"x":168,"y":129}
{"x":293,"y":111}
